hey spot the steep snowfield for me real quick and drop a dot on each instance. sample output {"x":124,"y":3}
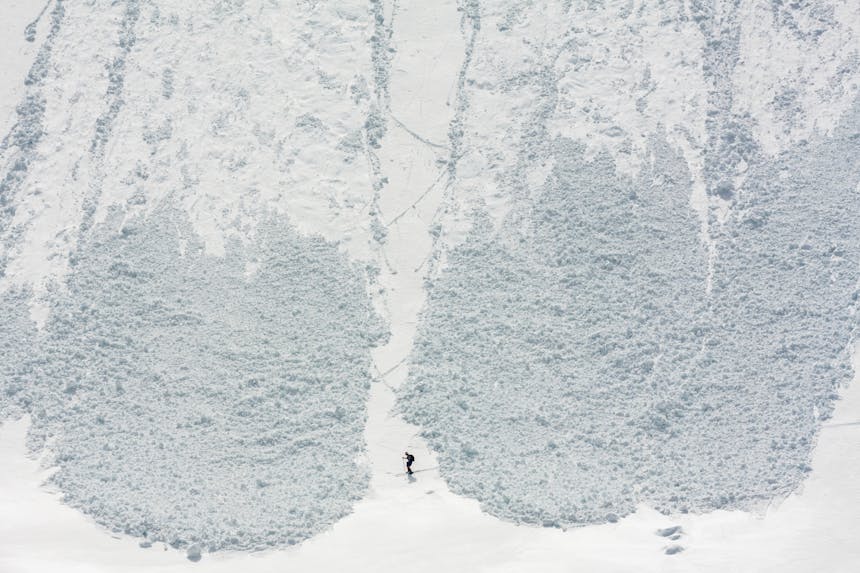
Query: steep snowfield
{"x":620,"y":232}
{"x":196,"y":359}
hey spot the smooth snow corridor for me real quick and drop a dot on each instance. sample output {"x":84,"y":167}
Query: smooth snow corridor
{"x":593,"y":263}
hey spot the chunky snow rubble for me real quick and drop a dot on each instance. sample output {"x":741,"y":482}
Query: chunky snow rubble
{"x":181,"y":393}
{"x":594,"y":343}
{"x":574,"y":363}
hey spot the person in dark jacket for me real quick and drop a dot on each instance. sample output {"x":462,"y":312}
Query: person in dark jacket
{"x":409,"y":459}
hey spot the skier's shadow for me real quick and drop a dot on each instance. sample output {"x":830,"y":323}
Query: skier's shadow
{"x":413,"y":479}
{"x":426,"y":470}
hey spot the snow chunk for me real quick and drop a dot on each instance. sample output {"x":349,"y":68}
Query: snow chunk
{"x":193,"y":553}
{"x":669,"y":531}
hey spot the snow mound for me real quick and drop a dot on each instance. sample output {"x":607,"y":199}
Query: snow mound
{"x":574,"y":363}
{"x":194,"y":553}
{"x":190,"y":401}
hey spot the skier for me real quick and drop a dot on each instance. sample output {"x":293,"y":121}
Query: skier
{"x":409,"y":459}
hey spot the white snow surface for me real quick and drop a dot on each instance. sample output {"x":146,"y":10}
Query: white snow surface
{"x":382,"y":128}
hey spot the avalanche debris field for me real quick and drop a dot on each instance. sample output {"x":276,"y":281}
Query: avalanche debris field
{"x":640,"y":285}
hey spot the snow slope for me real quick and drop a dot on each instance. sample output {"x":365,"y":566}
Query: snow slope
{"x":396,"y":133}
{"x":422,"y":524}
